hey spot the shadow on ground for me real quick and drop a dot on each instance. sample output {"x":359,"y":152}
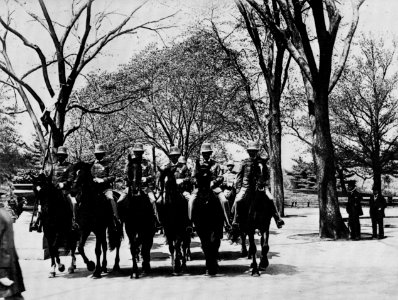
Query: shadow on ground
{"x":314,"y":237}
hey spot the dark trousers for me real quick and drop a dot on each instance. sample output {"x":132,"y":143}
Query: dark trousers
{"x":377,"y":222}
{"x":355,"y":227}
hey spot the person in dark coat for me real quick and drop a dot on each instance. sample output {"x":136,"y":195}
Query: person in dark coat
{"x":377,"y":204}
{"x":354,"y":210}
{"x":11,"y":281}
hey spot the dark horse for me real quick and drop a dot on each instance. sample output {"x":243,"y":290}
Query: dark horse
{"x":56,"y":218}
{"x":94,"y":214}
{"x":137,"y":214}
{"x":173,"y":214}
{"x":208,"y":217}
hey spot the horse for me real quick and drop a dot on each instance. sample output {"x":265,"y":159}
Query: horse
{"x":138,"y":217}
{"x":173,"y":214}
{"x":208,"y":218}
{"x":94,"y":215}
{"x":256,"y":214}
{"x":56,"y":219}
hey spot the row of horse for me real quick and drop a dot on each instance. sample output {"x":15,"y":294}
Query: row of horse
{"x":94,"y":215}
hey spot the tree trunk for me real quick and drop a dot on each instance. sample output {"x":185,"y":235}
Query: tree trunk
{"x":275,"y":141}
{"x":331,"y":223}
{"x":377,"y":175}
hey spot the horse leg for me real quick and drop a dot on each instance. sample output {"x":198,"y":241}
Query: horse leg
{"x":264,"y":263}
{"x":98,"y":245}
{"x":72,"y":246}
{"x":133,"y":250}
{"x":104,"y":251}
{"x":188,"y":248}
{"x":178,"y":256}
{"x":170,"y":242}
{"x":116,"y":266}
{"x":53,"y":265}
{"x":244,"y":252}
{"x":214,"y":245}
{"x":89,"y":263}
{"x":184,"y":255}
{"x":147,"y":241}
{"x":253,"y":252}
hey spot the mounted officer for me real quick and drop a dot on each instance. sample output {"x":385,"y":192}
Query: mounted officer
{"x":181,"y":172}
{"x":228,"y":185}
{"x":140,"y":177}
{"x":208,"y":165}
{"x":253,"y":175}
{"x":377,"y":204}
{"x":103,"y":178}
{"x":354,"y":210}
{"x":61,"y":178}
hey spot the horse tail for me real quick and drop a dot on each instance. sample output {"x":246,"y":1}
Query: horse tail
{"x":115,"y":236}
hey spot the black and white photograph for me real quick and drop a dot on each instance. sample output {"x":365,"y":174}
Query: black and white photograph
{"x":198,"y":149}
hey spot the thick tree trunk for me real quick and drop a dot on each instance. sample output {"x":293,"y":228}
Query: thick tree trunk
{"x":377,"y":175}
{"x":275,"y":140}
{"x":331,"y":224}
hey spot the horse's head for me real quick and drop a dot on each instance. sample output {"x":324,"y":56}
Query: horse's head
{"x":81,"y":176}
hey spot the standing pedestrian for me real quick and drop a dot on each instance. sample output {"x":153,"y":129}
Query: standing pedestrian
{"x":11,"y":281}
{"x":354,"y":210}
{"x":377,"y":204}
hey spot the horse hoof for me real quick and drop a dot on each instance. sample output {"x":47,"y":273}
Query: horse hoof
{"x":252,"y":266}
{"x":90,"y":266}
{"x":134,"y":276}
{"x":255,"y":272}
{"x":104,"y":270}
{"x":51,"y":275}
{"x":116,"y":268}
{"x":61,"y":267}
{"x":263,"y":265}
{"x":97,"y":275}
{"x":71,"y":270}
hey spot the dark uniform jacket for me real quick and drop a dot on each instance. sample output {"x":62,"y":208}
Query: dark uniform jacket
{"x":62,"y":173}
{"x":377,"y":206}
{"x":9,"y":265}
{"x":135,"y":171}
{"x":354,"y":207}
{"x":208,"y":174}
{"x":181,"y":172}
{"x":101,"y":169}
{"x":253,"y":174}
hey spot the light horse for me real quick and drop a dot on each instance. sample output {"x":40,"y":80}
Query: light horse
{"x":56,"y":219}
{"x":94,"y":215}
{"x":208,"y":218}
{"x":137,"y":214}
{"x":256,"y":213}
{"x":173,"y":214}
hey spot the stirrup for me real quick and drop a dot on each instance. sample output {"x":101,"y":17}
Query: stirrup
{"x":280,"y":223}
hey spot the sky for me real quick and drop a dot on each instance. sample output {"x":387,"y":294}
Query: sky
{"x":377,"y":17}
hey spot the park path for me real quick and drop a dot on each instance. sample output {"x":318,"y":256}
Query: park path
{"x":301,"y":267}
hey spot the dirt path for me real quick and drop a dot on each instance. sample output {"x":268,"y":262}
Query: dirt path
{"x":301,"y":267}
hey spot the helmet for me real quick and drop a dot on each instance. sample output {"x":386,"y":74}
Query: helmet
{"x":182,"y":160}
{"x":99,"y":148}
{"x":62,"y":150}
{"x":138,"y":147}
{"x":174,"y":151}
{"x":206,"y":147}
{"x":230,"y":163}
{"x":253,"y":146}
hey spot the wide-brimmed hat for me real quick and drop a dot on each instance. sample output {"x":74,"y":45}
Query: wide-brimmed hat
{"x":99,"y":148}
{"x":62,"y":150}
{"x":206,"y":147}
{"x":230,"y":163}
{"x":253,"y":146}
{"x":174,"y":151}
{"x":138,"y":147}
{"x":182,"y":160}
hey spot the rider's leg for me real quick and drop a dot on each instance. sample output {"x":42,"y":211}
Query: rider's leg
{"x":237,"y":205}
{"x":72,"y":202}
{"x":275,"y":214}
{"x":123,"y":195}
{"x":109,"y":197}
{"x":191,"y":203}
{"x":152,"y":199}
{"x":225,"y":206}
